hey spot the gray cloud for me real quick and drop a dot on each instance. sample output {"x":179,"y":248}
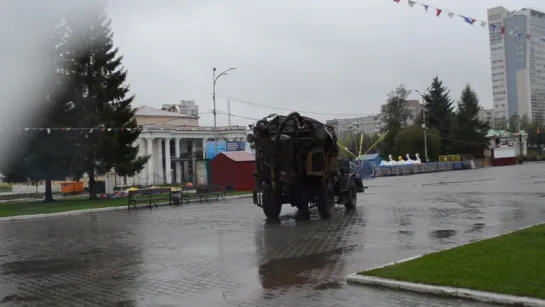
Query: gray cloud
{"x":321,"y":55}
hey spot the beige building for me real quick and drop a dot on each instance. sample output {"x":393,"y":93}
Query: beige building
{"x":371,"y":124}
{"x":169,"y":134}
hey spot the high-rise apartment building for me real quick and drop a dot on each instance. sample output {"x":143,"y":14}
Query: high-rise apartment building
{"x":517,"y":56}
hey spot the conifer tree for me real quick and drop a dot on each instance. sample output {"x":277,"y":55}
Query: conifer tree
{"x":439,"y":111}
{"x":43,"y":155}
{"x":469,"y":131}
{"x":395,"y":114}
{"x":102,"y":100}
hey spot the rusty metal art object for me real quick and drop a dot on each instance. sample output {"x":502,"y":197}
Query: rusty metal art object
{"x":297,"y":163}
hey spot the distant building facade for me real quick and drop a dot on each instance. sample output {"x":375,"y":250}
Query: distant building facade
{"x":367,"y":125}
{"x":486,"y":115}
{"x":185,"y":107}
{"x":373,"y":123}
{"x":415,"y":108}
{"x":517,"y":56}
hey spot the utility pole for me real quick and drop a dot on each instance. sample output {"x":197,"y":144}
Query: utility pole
{"x":424,"y":125}
{"x":520,"y":137}
{"x":214,"y":80}
{"x":425,"y":135}
{"x":538,"y":143}
{"x":229,"y":112}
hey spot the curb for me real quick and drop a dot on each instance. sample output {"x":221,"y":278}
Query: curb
{"x":86,"y":211}
{"x":489,"y":297}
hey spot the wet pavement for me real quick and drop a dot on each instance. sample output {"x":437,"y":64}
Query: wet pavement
{"x":225,"y":254}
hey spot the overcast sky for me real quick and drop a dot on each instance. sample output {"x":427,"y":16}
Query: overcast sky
{"x":309,"y":55}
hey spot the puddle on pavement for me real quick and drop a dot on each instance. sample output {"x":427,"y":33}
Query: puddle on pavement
{"x":443,"y":183}
{"x":336,"y":284}
{"x":39,"y":267}
{"x":297,"y":271}
{"x":443,"y":233}
{"x":17,"y":298}
{"x":477,"y":227}
{"x":126,"y":303}
{"x":406,"y":232}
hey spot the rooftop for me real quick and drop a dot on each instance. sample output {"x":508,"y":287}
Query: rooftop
{"x":193,"y":128}
{"x":239,"y":156}
{"x":149,"y":111}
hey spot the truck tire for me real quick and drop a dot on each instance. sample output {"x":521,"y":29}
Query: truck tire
{"x":302,"y":204}
{"x":352,"y":196}
{"x":271,"y":206}
{"x":323,"y":202}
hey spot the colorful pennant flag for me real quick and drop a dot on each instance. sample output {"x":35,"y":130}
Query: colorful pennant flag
{"x":472,"y":21}
{"x":438,"y":12}
{"x":81,"y":130}
{"x":106,"y":130}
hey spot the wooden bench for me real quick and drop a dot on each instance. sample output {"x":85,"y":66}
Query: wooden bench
{"x":203,"y":192}
{"x":149,"y":196}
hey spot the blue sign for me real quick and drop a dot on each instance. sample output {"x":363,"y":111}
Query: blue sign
{"x":211,"y":148}
{"x":236,"y":146}
{"x":222,"y":147}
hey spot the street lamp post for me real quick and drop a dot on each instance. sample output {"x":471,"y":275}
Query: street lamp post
{"x":214,"y":80}
{"x":424,"y":126}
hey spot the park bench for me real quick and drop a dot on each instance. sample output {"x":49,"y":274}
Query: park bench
{"x":203,"y":192}
{"x":152,"y":197}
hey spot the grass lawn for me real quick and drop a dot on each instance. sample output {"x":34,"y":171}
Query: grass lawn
{"x":510,"y":264}
{"x":61,"y":205}
{"x":67,"y":204}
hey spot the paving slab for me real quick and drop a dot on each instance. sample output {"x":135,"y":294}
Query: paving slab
{"x":226,"y":254}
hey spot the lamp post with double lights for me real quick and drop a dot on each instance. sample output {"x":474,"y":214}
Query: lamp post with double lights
{"x":424,"y":111}
{"x":214,"y":80}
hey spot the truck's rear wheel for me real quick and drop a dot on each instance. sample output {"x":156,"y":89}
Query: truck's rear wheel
{"x":302,"y":201}
{"x":271,"y":204}
{"x":352,"y":195}
{"x":325,"y":206}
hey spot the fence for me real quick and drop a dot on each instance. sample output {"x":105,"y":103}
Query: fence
{"x":403,"y":170}
{"x":25,"y":188}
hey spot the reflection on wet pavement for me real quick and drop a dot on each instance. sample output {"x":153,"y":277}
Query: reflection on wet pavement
{"x":227,"y":254}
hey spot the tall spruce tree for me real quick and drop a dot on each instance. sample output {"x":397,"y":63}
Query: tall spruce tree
{"x":513,"y":124}
{"x":439,"y":111}
{"x":44,"y":155}
{"x":101,"y":100}
{"x":395,"y":114}
{"x":469,"y":131}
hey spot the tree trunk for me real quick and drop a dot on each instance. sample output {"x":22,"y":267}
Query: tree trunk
{"x":91,"y":174}
{"x":92,"y":184}
{"x":48,"y":195}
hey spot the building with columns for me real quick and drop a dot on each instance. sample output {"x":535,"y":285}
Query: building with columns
{"x":173,"y":140}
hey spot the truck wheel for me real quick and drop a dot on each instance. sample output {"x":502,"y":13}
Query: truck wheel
{"x":301,"y":200}
{"x":302,"y":203}
{"x":322,"y":201}
{"x":271,"y":206}
{"x":352,"y":196}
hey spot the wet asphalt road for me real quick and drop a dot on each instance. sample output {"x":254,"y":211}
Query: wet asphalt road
{"x":225,"y":254}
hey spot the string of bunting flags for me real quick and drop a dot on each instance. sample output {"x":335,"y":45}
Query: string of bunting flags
{"x":118,"y":130}
{"x":81,"y":130}
{"x":472,"y":21}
